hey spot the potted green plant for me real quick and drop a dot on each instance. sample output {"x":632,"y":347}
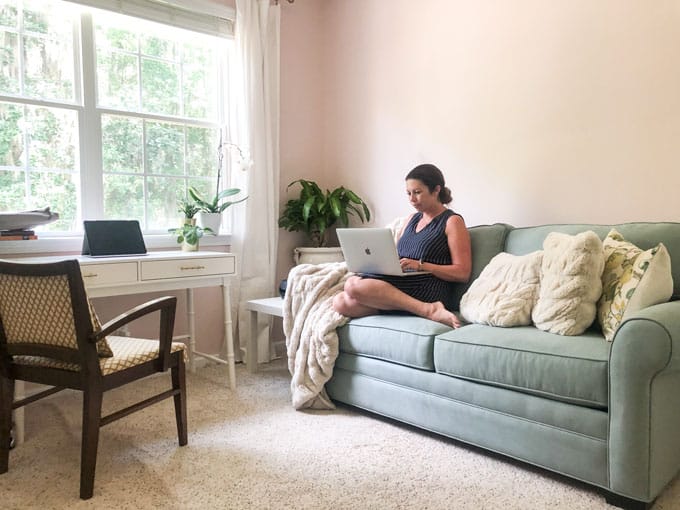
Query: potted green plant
{"x":189,"y":209}
{"x":189,"y":234}
{"x":315,"y":211}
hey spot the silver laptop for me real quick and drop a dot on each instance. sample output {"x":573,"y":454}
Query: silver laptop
{"x":371,"y":250}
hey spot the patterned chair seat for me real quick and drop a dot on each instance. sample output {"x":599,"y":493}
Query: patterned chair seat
{"x":127,"y":352}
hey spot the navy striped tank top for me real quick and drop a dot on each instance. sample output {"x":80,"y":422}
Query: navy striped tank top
{"x":429,"y":245}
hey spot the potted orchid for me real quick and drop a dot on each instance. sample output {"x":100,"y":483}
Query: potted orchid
{"x":210,"y":209}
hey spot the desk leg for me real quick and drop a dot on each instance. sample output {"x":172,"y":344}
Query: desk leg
{"x":191,"y":320}
{"x":228,"y":336}
{"x":251,"y":354}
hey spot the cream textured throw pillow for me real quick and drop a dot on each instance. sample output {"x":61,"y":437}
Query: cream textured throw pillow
{"x":397,"y":225}
{"x":571,"y":283}
{"x":505,"y":292}
{"x":633,"y":279}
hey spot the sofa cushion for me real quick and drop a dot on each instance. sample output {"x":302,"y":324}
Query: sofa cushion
{"x":633,"y":279}
{"x":486,"y":242}
{"x":527,"y":359}
{"x":403,"y":339}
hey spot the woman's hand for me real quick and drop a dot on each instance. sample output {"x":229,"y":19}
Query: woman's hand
{"x":409,"y":264}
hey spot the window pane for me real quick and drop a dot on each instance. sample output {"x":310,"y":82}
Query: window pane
{"x":53,"y":136}
{"x":48,"y":51}
{"x":159,"y":47}
{"x":199,"y":72}
{"x":37,"y":15}
{"x":122,"y":144}
{"x":12,"y":191}
{"x":118,"y":80}
{"x":9,"y":14}
{"x":48,"y":177}
{"x":10,"y":82}
{"x":124,"y":197}
{"x":202,"y":151}
{"x":59,"y":192}
{"x":164,"y":148}
{"x":53,"y":177}
{"x":46,"y":76}
{"x":114,"y":37}
{"x":163,"y":195}
{"x":11,"y":135}
{"x":160,"y":87}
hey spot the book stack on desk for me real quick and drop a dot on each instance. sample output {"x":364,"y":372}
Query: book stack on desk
{"x":17,"y":235}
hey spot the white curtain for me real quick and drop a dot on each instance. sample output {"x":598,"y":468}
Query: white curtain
{"x":255,"y":128}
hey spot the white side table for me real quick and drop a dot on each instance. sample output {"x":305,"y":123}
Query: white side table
{"x":267,"y":306}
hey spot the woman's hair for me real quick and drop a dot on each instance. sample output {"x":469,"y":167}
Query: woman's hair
{"x":432,"y":177}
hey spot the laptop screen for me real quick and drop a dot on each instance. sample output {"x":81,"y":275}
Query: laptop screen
{"x":112,"y":237}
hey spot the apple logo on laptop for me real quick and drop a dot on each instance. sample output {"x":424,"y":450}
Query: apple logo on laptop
{"x":367,"y":250}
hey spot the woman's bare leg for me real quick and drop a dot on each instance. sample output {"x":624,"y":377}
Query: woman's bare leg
{"x":366,"y":296}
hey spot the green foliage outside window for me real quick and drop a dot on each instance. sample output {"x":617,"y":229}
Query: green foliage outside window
{"x":158,"y":94}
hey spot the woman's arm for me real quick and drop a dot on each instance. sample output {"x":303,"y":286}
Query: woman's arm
{"x":458,"y":239}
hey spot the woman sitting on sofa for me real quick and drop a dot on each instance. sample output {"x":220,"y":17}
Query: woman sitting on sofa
{"x":434,"y":239}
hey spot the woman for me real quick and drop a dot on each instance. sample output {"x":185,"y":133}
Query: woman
{"x":435,"y":240}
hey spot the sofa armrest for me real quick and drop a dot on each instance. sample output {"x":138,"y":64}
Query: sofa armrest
{"x":666,"y":320}
{"x":644,"y":410}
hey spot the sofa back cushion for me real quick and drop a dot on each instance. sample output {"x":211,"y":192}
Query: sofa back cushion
{"x":487,"y":241}
{"x":645,"y":235}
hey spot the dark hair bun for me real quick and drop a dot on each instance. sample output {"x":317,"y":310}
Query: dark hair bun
{"x":445,"y":195}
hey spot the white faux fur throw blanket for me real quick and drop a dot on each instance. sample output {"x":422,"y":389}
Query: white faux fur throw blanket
{"x":309,"y":323}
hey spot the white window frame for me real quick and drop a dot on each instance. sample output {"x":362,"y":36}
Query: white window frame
{"x":200,"y":15}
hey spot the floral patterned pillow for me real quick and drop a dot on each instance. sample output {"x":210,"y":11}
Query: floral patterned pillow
{"x":632,"y":279}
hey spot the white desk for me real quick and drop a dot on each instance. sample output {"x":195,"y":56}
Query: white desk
{"x":267,"y":306}
{"x":158,"y":272}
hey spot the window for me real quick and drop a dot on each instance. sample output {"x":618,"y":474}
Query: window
{"x":104,"y":115}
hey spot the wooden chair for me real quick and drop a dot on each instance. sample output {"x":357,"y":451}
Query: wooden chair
{"x":49,"y":334}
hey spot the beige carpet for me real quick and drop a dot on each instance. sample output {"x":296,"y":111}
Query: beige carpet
{"x":249,"y":449}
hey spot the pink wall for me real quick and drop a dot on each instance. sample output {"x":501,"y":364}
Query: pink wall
{"x":301,"y":98}
{"x":537,"y":112}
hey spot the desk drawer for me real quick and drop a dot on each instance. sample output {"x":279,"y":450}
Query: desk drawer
{"x":206,"y":266}
{"x":109,"y":274}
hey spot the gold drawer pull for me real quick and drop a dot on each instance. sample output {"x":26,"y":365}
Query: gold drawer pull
{"x":90,"y":275}
{"x":189,"y":268}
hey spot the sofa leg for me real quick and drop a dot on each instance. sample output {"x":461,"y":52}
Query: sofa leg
{"x":626,"y":503}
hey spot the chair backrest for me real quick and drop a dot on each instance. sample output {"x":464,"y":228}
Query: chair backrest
{"x":44,"y":311}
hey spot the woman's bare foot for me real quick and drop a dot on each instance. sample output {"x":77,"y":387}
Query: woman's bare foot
{"x":440,"y":314}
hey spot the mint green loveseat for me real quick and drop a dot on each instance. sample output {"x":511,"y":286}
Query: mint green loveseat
{"x":607,"y":413}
